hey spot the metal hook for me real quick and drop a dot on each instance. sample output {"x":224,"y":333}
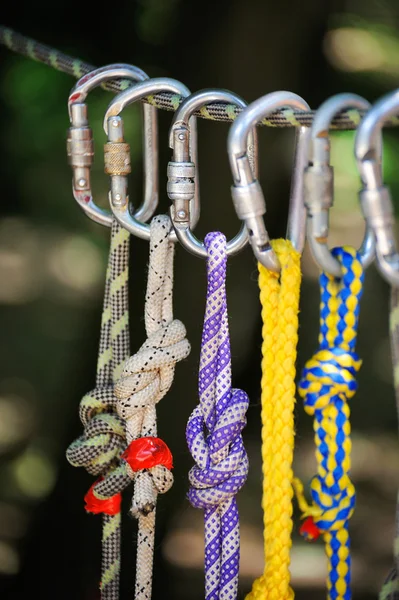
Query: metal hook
{"x":247,"y":193}
{"x":375,"y":197}
{"x":80,"y":147}
{"x":182,"y":169}
{"x":113,"y":126}
{"x":318,"y":181}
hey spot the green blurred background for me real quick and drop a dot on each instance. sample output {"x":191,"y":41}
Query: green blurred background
{"x":52,"y":266}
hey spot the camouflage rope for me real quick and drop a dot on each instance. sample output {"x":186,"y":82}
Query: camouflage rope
{"x":103,"y":440}
{"x":390,"y":588}
{"x":216,"y":112}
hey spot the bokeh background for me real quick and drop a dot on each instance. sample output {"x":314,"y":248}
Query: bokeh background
{"x":52,"y":266}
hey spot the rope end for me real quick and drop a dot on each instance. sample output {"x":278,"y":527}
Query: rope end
{"x":309,"y":530}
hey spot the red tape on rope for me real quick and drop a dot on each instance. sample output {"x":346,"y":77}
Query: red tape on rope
{"x":147,"y":452}
{"x":108,"y":506}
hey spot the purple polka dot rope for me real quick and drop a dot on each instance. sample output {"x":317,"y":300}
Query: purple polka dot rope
{"x":221,"y":461}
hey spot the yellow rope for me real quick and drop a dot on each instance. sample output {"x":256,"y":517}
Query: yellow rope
{"x":279,"y":296}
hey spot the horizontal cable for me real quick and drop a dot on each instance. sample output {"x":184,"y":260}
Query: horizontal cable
{"x":286,"y":117}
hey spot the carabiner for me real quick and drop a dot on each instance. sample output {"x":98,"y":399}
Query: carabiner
{"x":183,"y":169}
{"x":319,"y":192}
{"x":375,"y":197}
{"x":113,"y":127}
{"x":80,"y":147}
{"x":247,"y":193}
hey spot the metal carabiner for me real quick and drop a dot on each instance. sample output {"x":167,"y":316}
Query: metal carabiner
{"x":247,"y":193}
{"x":375,"y":197}
{"x":113,"y":127}
{"x":80,"y":147}
{"x":318,"y":181}
{"x":182,"y":170}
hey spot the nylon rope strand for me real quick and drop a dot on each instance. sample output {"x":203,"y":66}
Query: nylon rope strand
{"x":146,"y":378}
{"x":214,"y":436}
{"x":390,"y":588}
{"x":103,"y":440}
{"x":75,"y":67}
{"x":328,"y":382}
{"x":279,"y":296}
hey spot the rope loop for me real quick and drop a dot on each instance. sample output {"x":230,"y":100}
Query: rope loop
{"x":279,"y":296}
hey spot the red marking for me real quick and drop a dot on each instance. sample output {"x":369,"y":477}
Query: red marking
{"x":110,"y":506}
{"x":86,"y":77}
{"x":74,"y":97}
{"x":86,"y":199}
{"x":309,"y":530}
{"x":147,"y":452}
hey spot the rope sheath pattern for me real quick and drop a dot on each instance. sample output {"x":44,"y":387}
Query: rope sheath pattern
{"x":279,"y":298}
{"x":390,"y":588}
{"x":146,"y":378}
{"x":327,"y":383}
{"x":103,"y":440}
{"x":25,"y":46}
{"x":221,"y":461}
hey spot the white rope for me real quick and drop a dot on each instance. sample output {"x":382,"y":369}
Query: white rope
{"x":146,"y":378}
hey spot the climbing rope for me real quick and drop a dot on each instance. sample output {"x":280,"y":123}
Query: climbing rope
{"x":327,"y":383}
{"x":25,"y":46}
{"x":279,"y":296}
{"x":146,"y":378}
{"x":390,"y":588}
{"x":103,"y":440}
{"x":214,"y":436}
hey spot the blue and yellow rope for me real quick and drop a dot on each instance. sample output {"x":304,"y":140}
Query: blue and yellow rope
{"x":328,"y":382}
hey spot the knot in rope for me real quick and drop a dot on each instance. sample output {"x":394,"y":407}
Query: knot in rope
{"x":148,"y":374}
{"x":217,"y":477}
{"x":151,"y":457}
{"x":146,"y":378}
{"x":329,"y":374}
{"x":336,"y":502}
{"x":103,"y":440}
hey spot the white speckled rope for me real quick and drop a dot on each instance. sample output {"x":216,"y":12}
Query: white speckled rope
{"x":146,"y":378}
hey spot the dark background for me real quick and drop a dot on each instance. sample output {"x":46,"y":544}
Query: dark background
{"x":52,"y":265}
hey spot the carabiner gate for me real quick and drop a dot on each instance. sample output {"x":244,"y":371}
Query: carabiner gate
{"x":247,"y":193}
